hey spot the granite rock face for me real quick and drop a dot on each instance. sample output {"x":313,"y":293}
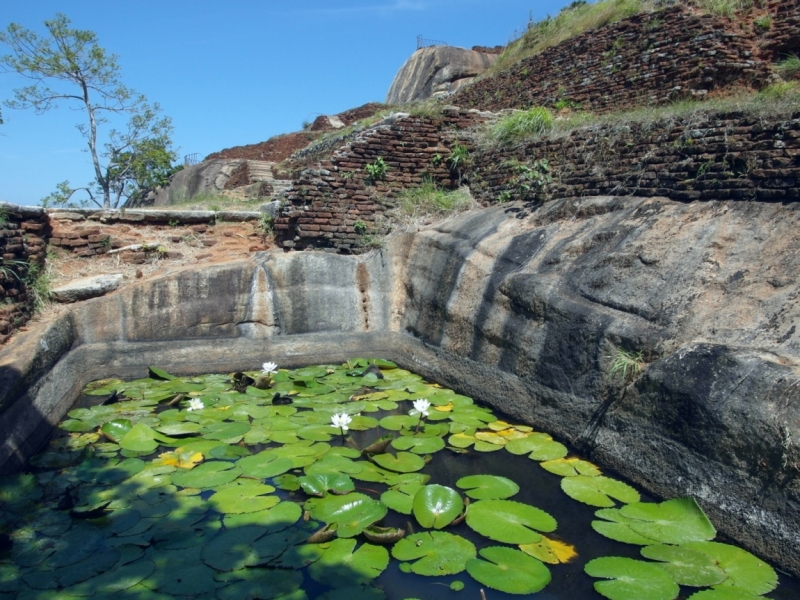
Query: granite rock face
{"x":85,"y":288}
{"x":436,"y":70}
{"x":524,"y":309}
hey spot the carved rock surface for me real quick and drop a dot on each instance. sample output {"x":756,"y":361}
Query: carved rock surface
{"x":436,"y":70}
{"x":85,"y":288}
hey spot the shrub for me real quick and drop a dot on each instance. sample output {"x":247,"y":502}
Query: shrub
{"x":522,"y":124}
{"x":789,"y":66}
{"x":376,"y":170}
{"x":781,"y":90}
{"x":625,"y":365}
{"x":764,"y":22}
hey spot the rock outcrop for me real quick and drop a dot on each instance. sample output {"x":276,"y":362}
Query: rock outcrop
{"x":437,"y":71}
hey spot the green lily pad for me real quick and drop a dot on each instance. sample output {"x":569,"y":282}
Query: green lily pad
{"x":261,"y":584}
{"x":184,"y":428}
{"x":418,"y":445}
{"x":631,"y":579}
{"x":617,"y":527}
{"x":117,"y":429}
{"x":437,"y":506}
{"x":157,"y":373}
{"x":724,"y":594}
{"x":21,"y":488}
{"x":362,"y":592}
{"x":116,"y":580}
{"x":339,"y":566}
{"x":598,"y":490}
{"x":435,"y":552}
{"x":231,"y":432}
{"x":401,"y":497}
{"x":672,"y":522}
{"x":207,"y":475}
{"x":570,"y":467}
{"x":404,"y":462}
{"x":745,"y":572}
{"x":686,"y":566}
{"x":320,"y":484}
{"x":538,"y":446}
{"x":237,"y":548}
{"x":398,"y":422}
{"x":508,"y":570}
{"x":264,"y":465}
{"x":333,"y":463}
{"x":508,"y":521}
{"x":280,"y":517}
{"x":243,"y":496}
{"x":487,"y":487}
{"x":351,"y":513}
{"x":140,"y":438}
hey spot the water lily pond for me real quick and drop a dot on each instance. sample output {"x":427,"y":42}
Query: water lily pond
{"x":358,"y":480}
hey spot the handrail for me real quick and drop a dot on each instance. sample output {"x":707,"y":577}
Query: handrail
{"x":423,"y":43}
{"x":191,"y":159}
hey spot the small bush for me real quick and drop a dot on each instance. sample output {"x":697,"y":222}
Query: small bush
{"x":376,"y":170}
{"x":764,"y":22}
{"x":781,"y":90}
{"x":37,"y":284}
{"x":625,"y":366}
{"x":789,"y":66}
{"x":522,"y":124}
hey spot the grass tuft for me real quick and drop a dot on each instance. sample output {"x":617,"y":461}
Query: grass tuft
{"x":431,"y":200}
{"x":625,"y":366}
{"x":521,"y":125}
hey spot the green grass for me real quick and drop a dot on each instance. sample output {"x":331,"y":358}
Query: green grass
{"x":724,"y":8}
{"x":625,"y":366}
{"x":573,"y":20}
{"x":430,"y":200}
{"x":789,"y":66}
{"x":521,"y":125}
{"x":37,"y":284}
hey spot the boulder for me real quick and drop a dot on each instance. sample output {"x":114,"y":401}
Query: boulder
{"x":436,"y":70}
{"x":85,"y":288}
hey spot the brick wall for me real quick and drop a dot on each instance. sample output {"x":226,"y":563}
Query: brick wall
{"x":651,"y":58}
{"x":87,"y":233}
{"x":23,"y":231}
{"x":784,"y":35}
{"x":326,"y":203}
{"x":703,"y":157}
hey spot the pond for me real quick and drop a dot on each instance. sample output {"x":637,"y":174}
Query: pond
{"x":358,"y":480}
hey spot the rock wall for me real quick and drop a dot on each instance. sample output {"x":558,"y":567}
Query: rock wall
{"x":651,"y":58}
{"x":23,"y":231}
{"x":325,"y":204}
{"x":437,"y":71}
{"x":784,"y":35}
{"x":699,"y":156}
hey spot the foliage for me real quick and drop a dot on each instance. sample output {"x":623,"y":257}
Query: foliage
{"x":68,"y":66}
{"x":763,"y":22}
{"x":360,"y":227}
{"x":521,"y":125}
{"x":376,"y":170}
{"x":724,"y":8}
{"x":458,"y":158}
{"x":430,"y":199}
{"x":789,"y":65}
{"x":37,"y":284}
{"x":625,"y":365}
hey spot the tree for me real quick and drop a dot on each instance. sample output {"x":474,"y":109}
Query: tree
{"x":69,"y":66}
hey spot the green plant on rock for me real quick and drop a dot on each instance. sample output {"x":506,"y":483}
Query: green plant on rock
{"x":376,"y":170}
{"x":431,"y":199}
{"x":625,"y":366}
{"x":528,"y":182}
{"x":360,"y":227}
{"x":764,"y":23}
{"x":789,"y":65}
{"x":37,"y":284}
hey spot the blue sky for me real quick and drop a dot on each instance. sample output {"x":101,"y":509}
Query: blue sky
{"x":236,"y":72}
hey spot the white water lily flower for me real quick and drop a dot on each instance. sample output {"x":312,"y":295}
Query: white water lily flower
{"x":421,"y":407}
{"x":196,"y":404}
{"x":269,"y":368}
{"x":341,"y":420}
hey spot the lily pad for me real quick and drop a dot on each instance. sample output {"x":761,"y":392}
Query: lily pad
{"x":435,"y":552}
{"x":116,"y":429}
{"x":339,"y":566}
{"x":631,"y":579}
{"x":264,"y":465}
{"x":488,"y":487}
{"x":401,"y":497}
{"x":672,"y":522}
{"x":244,"y":496}
{"x":729,"y":593}
{"x":598,"y":490}
{"x":404,"y":462}
{"x":509,"y":522}
{"x":262,"y":584}
{"x":617,"y":527}
{"x":157,"y":373}
{"x":140,"y":438}
{"x":418,"y":445}
{"x":437,"y":506}
{"x":362,"y":592}
{"x":508,"y":570}
{"x":550,"y":551}
{"x":745,"y":572}
{"x":351,"y":513}
{"x":538,"y":446}
{"x":570,"y":467}
{"x":320,"y":484}
{"x":208,"y":475}
{"x":686,"y":566}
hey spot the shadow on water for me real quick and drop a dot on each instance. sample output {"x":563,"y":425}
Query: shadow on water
{"x":88,"y":529}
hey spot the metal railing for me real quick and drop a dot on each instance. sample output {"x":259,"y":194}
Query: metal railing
{"x":191,"y":159}
{"x":423,"y":43}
